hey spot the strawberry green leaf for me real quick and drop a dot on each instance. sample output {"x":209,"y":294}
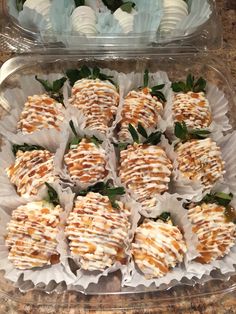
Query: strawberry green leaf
{"x":158,"y":94}
{"x":181,"y":131}
{"x":184,"y":134}
{"x":113,"y":5}
{"x":122,"y":146}
{"x":223,"y":198}
{"x":85,"y":72}
{"x":25,"y":148}
{"x":127,"y":6}
{"x":74,"y":142}
{"x":199,"y":86}
{"x":105,"y":189}
{"x":58,"y":84}
{"x":189,"y":82}
{"x":190,"y":85}
{"x":104,"y":77}
{"x":154,"y":138}
{"x":73,"y":76}
{"x":179,"y":87}
{"x":19,"y":4}
{"x":45,"y":83}
{"x":133,"y":133}
{"x":219,"y":198}
{"x":95,"y":141}
{"x":141,"y":130}
{"x":96,"y":72}
{"x":158,"y":87}
{"x":72,"y":126}
{"x":79,"y":3}
{"x":52,"y":195}
{"x":164,"y":217}
{"x":199,"y":134}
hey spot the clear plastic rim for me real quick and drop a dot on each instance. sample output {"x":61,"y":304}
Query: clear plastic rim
{"x":132,"y":304}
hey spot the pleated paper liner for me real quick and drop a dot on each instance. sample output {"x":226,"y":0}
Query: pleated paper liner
{"x":60,"y":167}
{"x":59,"y":272}
{"x":181,"y":185}
{"x":219,"y":107}
{"x":84,"y":277}
{"x":168,"y":203}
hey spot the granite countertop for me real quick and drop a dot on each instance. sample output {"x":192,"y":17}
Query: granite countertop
{"x":220,"y":304}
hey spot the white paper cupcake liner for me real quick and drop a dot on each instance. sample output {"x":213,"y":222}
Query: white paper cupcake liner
{"x":168,"y":203}
{"x":200,"y":11}
{"x":219,"y":108}
{"x":226,"y":264}
{"x":57,"y":273}
{"x":60,"y":15}
{"x":227,"y":145}
{"x":37,"y":16}
{"x":114,"y":161}
{"x":85,"y":278}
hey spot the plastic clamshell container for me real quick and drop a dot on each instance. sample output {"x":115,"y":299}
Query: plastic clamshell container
{"x":108,"y":294}
{"x":16,"y":38}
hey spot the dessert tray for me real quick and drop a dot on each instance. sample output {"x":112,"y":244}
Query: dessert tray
{"x":108,"y":23}
{"x":151,"y":205}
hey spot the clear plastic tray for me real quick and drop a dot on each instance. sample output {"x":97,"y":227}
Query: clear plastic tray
{"x":108,"y":294}
{"x":13,"y":37}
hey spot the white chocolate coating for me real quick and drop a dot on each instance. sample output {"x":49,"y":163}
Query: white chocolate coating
{"x":31,"y":235}
{"x":216,"y":235}
{"x":86,"y":162}
{"x":30,"y":171}
{"x":139,"y":107}
{"x":201,"y":160}
{"x":157,"y":247}
{"x":97,"y":232}
{"x":98,"y":100}
{"x":193,"y":109}
{"x":146,"y":171}
{"x":40,"y":112}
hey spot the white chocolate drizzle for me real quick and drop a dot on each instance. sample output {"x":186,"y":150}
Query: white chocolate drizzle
{"x":215,"y":234}
{"x":157,"y":248}
{"x":97,"y":232}
{"x":40,"y":112}
{"x":146,"y":171}
{"x":139,"y":107}
{"x":31,"y":170}
{"x":201,"y":160}
{"x":31,"y":235}
{"x":98,"y":101}
{"x":86,"y":162}
{"x":193,"y":109}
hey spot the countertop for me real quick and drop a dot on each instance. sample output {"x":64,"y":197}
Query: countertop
{"x":219,"y":304}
